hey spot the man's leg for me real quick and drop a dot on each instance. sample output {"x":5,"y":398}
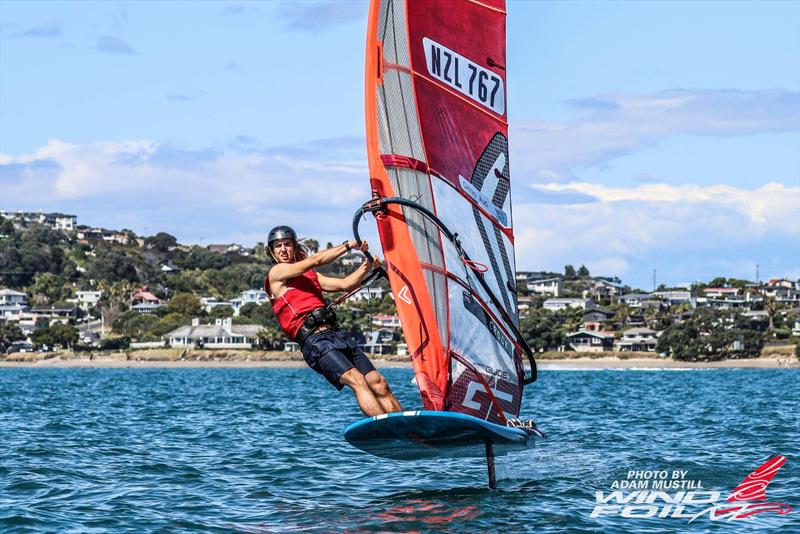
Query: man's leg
{"x":380,"y":387}
{"x":364,"y":395}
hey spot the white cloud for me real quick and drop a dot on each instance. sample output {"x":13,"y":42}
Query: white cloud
{"x":687,"y":232}
{"x":612,"y":126}
{"x":192,"y":193}
{"x":772,"y":204}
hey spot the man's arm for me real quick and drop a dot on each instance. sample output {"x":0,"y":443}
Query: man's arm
{"x":349,"y":282}
{"x":283,"y":271}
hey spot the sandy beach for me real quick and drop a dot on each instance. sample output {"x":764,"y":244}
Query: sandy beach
{"x":174,"y":358}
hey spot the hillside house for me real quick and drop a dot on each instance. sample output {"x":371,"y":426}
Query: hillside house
{"x":57,"y":221}
{"x":223,"y":334}
{"x":352,"y":259}
{"x":391,"y":322}
{"x":721,"y":292}
{"x":379,"y":342}
{"x":9,"y":297}
{"x":634,"y":300}
{"x":225,"y":248}
{"x":673,"y":298}
{"x":637,"y":340}
{"x":583,"y":341}
{"x":146,"y":307}
{"x":143,"y":295}
{"x":546,"y":286}
{"x":368,"y":293}
{"x":598,"y":315}
{"x":88,"y":299}
{"x":564,"y":303}
{"x":602,"y":287}
{"x":62,"y":314}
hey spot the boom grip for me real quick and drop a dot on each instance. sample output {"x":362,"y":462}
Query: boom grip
{"x":380,"y":271}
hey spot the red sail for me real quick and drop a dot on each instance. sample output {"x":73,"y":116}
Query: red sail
{"x":437,"y":134}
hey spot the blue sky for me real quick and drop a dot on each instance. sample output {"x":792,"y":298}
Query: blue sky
{"x":644,"y":135}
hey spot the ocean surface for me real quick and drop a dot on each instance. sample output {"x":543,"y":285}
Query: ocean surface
{"x":261,"y":450}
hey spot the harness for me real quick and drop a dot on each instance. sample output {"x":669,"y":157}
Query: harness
{"x":314,"y":321}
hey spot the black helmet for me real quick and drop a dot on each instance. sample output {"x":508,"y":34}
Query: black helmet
{"x":280,"y":232}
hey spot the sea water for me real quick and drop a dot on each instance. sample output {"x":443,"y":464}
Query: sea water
{"x":261,"y":450}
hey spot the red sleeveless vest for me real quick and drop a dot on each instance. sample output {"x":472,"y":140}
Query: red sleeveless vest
{"x":303,"y":295}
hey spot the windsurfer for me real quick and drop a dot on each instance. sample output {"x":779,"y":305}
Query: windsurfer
{"x":295,"y":290}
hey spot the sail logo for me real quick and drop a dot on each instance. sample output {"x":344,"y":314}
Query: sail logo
{"x":403,"y":295}
{"x":651,"y":497}
{"x":482,"y":201}
{"x":465,"y":76}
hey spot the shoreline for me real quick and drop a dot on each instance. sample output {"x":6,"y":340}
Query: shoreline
{"x":292,"y":360}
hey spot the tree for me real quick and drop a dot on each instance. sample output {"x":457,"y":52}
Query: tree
{"x":162,"y":242}
{"x":50,"y":288}
{"x":260,"y":250}
{"x":135,"y":325}
{"x":220,"y":312}
{"x":112,"y":265}
{"x":569,"y":272}
{"x":115,"y":343}
{"x":64,"y":335}
{"x":9,"y":333}
{"x":583,"y":272}
{"x":168,"y":323}
{"x":184,"y":304}
{"x":712,"y":335}
{"x":6,"y":227}
{"x":312,"y":245}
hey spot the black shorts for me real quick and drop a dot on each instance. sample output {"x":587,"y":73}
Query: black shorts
{"x":332,"y":353}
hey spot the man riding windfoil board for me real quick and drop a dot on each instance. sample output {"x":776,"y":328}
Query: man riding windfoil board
{"x":295,"y":291}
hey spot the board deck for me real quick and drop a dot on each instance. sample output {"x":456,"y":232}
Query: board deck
{"x":431,"y":434}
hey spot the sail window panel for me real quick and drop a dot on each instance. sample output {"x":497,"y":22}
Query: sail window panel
{"x":417,"y":150}
{"x":415,"y":186}
{"x":456,"y":213}
{"x":393,"y":32}
{"x":401,"y":136}
{"x":475,"y":337}
{"x":424,"y":234}
{"x":384,"y":138}
{"x":437,"y":287}
{"x":384,"y":7}
{"x":401,"y":114}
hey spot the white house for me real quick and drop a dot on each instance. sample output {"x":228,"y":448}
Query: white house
{"x":564,"y":303}
{"x":9,"y":297}
{"x":253,"y":295}
{"x":637,"y":340}
{"x":368,"y":293}
{"x":146,"y":307}
{"x":209,"y":303}
{"x":352,"y":259}
{"x":222,"y":335}
{"x":378,"y":342}
{"x":256,"y":296}
{"x":634,"y":300}
{"x":675,"y":297}
{"x":59,"y":221}
{"x":386,"y":321}
{"x":717,"y":292}
{"x":546,"y":286}
{"x":87,"y":299}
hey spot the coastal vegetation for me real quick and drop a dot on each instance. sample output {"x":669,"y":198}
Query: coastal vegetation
{"x":50,"y":266}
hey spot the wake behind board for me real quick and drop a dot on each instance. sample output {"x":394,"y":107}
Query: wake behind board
{"x":430,"y":434}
